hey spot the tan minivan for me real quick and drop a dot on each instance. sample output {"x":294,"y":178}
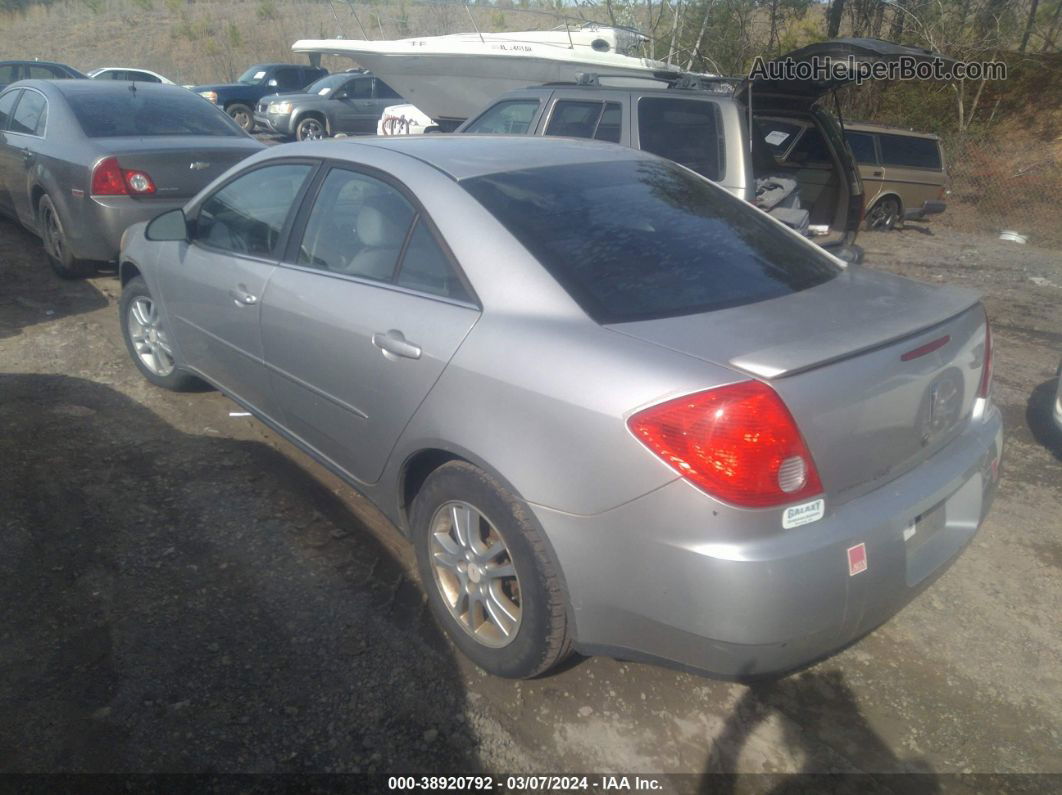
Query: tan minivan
{"x":903,"y":172}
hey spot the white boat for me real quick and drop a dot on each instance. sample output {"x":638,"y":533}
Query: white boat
{"x":451,"y":77}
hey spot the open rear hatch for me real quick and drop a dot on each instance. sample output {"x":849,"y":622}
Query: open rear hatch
{"x":806,"y":91}
{"x":879,"y":372}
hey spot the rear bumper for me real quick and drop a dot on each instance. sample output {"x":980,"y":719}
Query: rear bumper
{"x":662,"y":577}
{"x":105,"y":218}
{"x":927,"y":208}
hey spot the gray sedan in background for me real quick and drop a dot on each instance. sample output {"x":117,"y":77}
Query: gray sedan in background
{"x":614,"y":408}
{"x":80,"y":160}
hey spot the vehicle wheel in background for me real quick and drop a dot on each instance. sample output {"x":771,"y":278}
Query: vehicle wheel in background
{"x":56,"y":248}
{"x":884,"y":215}
{"x":310,"y":128}
{"x":147,"y":341}
{"x":242,"y":115}
{"x":491,"y":582}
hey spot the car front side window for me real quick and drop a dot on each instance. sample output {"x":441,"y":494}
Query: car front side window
{"x":510,"y":117}
{"x":247,"y":215}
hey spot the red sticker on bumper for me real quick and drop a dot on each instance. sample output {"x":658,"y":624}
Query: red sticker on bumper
{"x":857,"y":559}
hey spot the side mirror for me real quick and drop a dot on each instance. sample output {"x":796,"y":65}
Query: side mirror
{"x":272,"y":82}
{"x":168,"y":226}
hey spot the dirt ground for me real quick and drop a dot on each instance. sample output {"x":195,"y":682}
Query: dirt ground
{"x":180,"y":590}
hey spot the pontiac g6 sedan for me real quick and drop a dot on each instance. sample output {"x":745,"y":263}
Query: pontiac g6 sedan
{"x":614,"y":408}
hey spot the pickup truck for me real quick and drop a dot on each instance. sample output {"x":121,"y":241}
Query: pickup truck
{"x":239,"y":98}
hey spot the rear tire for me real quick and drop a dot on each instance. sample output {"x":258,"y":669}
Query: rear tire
{"x":242,"y":115}
{"x":147,"y":342}
{"x":56,"y":247}
{"x":502,"y":577}
{"x":884,"y":215}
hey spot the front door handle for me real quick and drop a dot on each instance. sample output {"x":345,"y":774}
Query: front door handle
{"x":877,"y":174}
{"x":27,"y":155}
{"x":241,"y":297}
{"x":394,"y":343}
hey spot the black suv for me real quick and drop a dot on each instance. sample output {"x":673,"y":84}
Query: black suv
{"x":239,"y":98}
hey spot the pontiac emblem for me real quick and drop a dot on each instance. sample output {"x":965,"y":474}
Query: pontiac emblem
{"x":198,"y":165}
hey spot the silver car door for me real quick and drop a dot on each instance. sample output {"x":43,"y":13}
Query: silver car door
{"x":25,"y":134}
{"x":10,"y":153}
{"x":214,"y":283}
{"x":352,"y":353}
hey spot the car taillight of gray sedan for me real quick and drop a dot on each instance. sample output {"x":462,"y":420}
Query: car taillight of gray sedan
{"x":614,"y":408}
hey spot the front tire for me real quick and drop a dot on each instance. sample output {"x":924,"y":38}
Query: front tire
{"x":242,"y":115}
{"x":147,"y":341}
{"x":310,"y":128}
{"x":491,"y":581}
{"x":56,"y":247}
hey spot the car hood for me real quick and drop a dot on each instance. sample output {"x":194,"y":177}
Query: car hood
{"x":809,"y":91}
{"x":293,"y":96}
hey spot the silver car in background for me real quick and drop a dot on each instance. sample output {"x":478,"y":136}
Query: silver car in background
{"x":614,"y":408}
{"x":80,"y":160}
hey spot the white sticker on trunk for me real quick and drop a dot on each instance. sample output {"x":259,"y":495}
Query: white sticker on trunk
{"x":796,"y":515}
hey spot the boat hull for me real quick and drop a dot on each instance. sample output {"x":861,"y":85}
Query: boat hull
{"x":454,"y":86}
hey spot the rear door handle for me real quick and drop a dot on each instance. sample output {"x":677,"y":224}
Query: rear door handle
{"x":876,"y":174}
{"x":27,"y":155}
{"x":241,"y":297}
{"x":394,"y":342}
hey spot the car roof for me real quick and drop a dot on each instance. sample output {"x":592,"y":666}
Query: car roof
{"x":23,"y":61}
{"x":871,"y":126}
{"x":68,"y":87}
{"x":465,"y":156}
{"x":647,"y":89}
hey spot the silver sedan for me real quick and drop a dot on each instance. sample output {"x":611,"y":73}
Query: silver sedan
{"x":614,"y":408}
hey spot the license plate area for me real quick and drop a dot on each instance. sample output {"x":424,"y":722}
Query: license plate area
{"x":924,"y":527}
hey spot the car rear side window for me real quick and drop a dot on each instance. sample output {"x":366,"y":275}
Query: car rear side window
{"x":903,"y":150}
{"x":384,"y":91}
{"x":30,"y":114}
{"x":862,"y":146}
{"x":7,"y":103}
{"x":510,"y":117}
{"x":142,"y":77}
{"x":638,"y":239}
{"x":609,"y":127}
{"x":247,"y":215}
{"x":128,"y":112}
{"x":686,"y":131}
{"x":358,"y":226}
{"x":42,"y":72}
{"x":427,"y":269}
{"x":574,"y":119}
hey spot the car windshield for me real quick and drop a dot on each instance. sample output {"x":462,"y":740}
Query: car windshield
{"x":110,"y":114}
{"x":253,"y":75}
{"x":326,"y":85}
{"x":640,"y":239}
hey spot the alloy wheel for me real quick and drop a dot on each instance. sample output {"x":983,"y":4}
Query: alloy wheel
{"x":53,"y":235}
{"x":149,"y":338}
{"x":475,"y":575}
{"x":311,"y":130}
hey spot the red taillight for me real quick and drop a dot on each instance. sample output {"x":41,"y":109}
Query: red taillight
{"x":738,"y":443}
{"x":110,"y":179}
{"x":986,"y":368}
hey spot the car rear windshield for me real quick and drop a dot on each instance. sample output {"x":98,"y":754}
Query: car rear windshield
{"x":110,"y":114}
{"x":638,"y":239}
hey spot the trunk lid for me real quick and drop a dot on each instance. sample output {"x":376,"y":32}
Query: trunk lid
{"x":879,"y":372}
{"x":180,"y":168}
